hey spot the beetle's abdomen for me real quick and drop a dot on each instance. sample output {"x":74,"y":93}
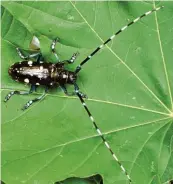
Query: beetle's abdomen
{"x":32,"y":72}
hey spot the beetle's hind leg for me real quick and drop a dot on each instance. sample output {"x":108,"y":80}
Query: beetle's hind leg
{"x":53,"y":48}
{"x":27,"y":57}
{"x":29,"y":103}
{"x":33,"y":87}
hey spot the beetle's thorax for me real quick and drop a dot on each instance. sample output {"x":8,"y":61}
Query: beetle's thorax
{"x":61,"y":75}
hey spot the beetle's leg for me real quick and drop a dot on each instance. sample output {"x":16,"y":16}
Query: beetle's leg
{"x":27,"y":57}
{"x":53,"y":48}
{"x":76,"y":88}
{"x":73,"y":58}
{"x":33,"y":87}
{"x":40,"y":59}
{"x":29,"y":103}
{"x":66,"y":92}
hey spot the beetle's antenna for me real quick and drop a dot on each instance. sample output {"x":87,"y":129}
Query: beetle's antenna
{"x":79,"y":67}
{"x":100,"y":133}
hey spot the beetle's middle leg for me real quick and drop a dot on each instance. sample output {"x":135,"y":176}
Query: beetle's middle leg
{"x":40,"y":59}
{"x":30,"y":102}
{"x":53,"y":48}
{"x":33,"y":87}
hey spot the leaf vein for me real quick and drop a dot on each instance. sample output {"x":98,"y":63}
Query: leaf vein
{"x":135,"y":75}
{"x":163,"y":58}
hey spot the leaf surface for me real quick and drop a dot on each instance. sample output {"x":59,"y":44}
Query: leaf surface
{"x":129,"y":85}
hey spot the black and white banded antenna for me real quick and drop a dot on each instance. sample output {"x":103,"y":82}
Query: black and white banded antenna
{"x":79,"y":67}
{"x":101,"y":134}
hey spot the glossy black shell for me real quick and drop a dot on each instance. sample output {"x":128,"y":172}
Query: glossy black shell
{"x":41,"y":73}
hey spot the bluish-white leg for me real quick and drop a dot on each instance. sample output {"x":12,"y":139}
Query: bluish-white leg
{"x":73,"y":58}
{"x":33,"y":87}
{"x":30,"y":102}
{"x":66,"y":92}
{"x":53,"y":48}
{"x":27,"y":57}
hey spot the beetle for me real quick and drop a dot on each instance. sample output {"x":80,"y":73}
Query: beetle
{"x":50,"y":74}
{"x":42,"y":73}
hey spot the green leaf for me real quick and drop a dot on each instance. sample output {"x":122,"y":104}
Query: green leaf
{"x":129,"y":85}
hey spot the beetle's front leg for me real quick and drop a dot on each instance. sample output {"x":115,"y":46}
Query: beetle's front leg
{"x":72,"y":59}
{"x":64,"y":89}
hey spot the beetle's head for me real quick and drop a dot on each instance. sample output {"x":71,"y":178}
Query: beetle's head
{"x":72,"y":78}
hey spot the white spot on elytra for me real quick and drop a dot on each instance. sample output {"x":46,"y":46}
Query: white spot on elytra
{"x":64,"y":76}
{"x":26,"y":80}
{"x":37,"y":83}
{"x":30,"y":63}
